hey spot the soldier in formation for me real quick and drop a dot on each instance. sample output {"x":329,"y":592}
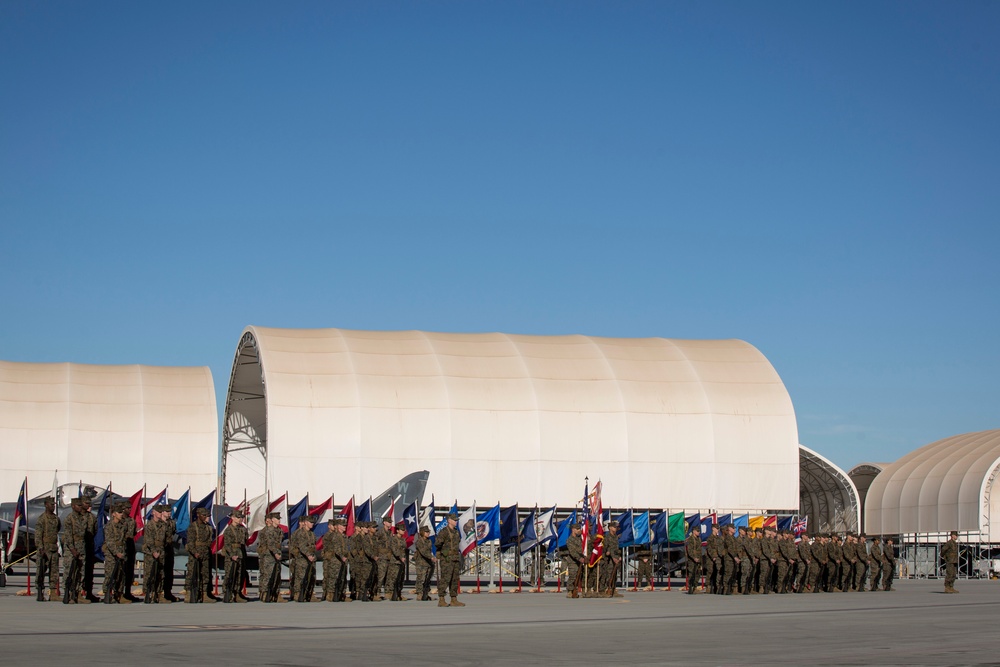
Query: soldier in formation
{"x":449,"y":561}
{"x":269,"y":557}
{"x":302,"y":551}
{"x":234,"y":551}
{"x":424,"y":560}
{"x":574,"y":561}
{"x":335,"y":555}
{"x":154,"y":547}
{"x":198,"y":579}
{"x":47,"y":541}
{"x":74,"y":553}
{"x":692,"y":553}
{"x":613,"y":560}
{"x":114,"y":557}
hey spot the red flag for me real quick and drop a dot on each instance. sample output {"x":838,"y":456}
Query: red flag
{"x":348,"y":513}
{"x":135,"y":511}
{"x":598,"y":548}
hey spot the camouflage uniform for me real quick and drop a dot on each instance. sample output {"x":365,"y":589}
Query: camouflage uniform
{"x":574,"y":561}
{"x":864,"y":562}
{"x":850,"y":560}
{"x":200,"y":537}
{"x":234,"y":545}
{"x":612,"y":556}
{"x":153,"y":540}
{"x":114,"y":567}
{"x":949,"y":553}
{"x":877,"y":563}
{"x":301,"y":546}
{"x":424,"y":560}
{"x":745,"y":566}
{"x":836,"y":551}
{"x":787,"y":554}
{"x":74,"y":553}
{"x":381,"y":541}
{"x":806,"y":565}
{"x":128,"y":563}
{"x":449,"y":557}
{"x":90,"y":532}
{"x":729,"y":556}
{"x":335,"y":556}
{"x":268,"y":549}
{"x":755,"y":553}
{"x":889,"y":568}
{"x":692,"y":552}
{"x":821,"y":563}
{"x":768,"y":562}
{"x":395,"y":569}
{"x":47,"y":542}
{"x":713,"y":563}
{"x":168,"y":558}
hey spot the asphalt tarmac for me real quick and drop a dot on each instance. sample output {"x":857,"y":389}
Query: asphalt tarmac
{"x":915,"y":625}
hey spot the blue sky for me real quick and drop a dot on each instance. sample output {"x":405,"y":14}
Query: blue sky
{"x":820,"y":180}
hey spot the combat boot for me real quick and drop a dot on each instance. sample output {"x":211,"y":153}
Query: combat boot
{"x":54,"y":595}
{"x":442,"y":602}
{"x":456,"y":603}
{"x":161,"y":599}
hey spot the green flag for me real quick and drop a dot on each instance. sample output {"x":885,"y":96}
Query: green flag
{"x":676,"y":527}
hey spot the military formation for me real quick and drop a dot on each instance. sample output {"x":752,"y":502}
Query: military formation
{"x":371,"y":564}
{"x":766,"y":560}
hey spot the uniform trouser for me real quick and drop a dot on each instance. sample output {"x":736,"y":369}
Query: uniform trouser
{"x":572,"y":570}
{"x":876,"y":575}
{"x":113,"y":578}
{"x":128,"y":567}
{"x":713,"y":573}
{"x":802,"y":576}
{"x":373,"y":578}
{"x":152,"y":574}
{"x":693,"y":574}
{"x":303,"y":569}
{"x":393,"y":579}
{"x":745,"y":570}
{"x":646,"y":572}
{"x":76,"y":584}
{"x":729,"y":575}
{"x":267,"y":565}
{"x":888,"y":574}
{"x":781,"y":573}
{"x":609,"y":576}
{"x":816,"y":576}
{"x":950,"y":574}
{"x":233,"y":583}
{"x":48,"y":562}
{"x":860,"y":571}
{"x":383,"y":583}
{"x":847,"y":576}
{"x":424,"y":574}
{"x":197,"y":587}
{"x":361,"y":572}
{"x":334,"y":575}
{"x":448,"y":581}
{"x":764,"y":585}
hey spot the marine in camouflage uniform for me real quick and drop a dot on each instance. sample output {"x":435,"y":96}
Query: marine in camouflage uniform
{"x":154,"y":543}
{"x":806,"y":565}
{"x":889,"y":569}
{"x":198,"y":579}
{"x":382,"y":539}
{"x":90,"y":558}
{"x":47,"y":529}
{"x":745,"y":567}
{"x":302,"y":549}
{"x":168,"y":555}
{"x":730,"y":559}
{"x":574,"y":561}
{"x":768,"y":561}
{"x":269,"y":557}
{"x":877,"y":563}
{"x":396,"y":568}
{"x":114,"y":557}
{"x":713,"y":560}
{"x":613,"y":559}
{"x":836,"y":551}
{"x":788,"y":553}
{"x":424,"y":559}
{"x":234,"y":551}
{"x":692,"y":553}
{"x":74,"y":552}
{"x":849,"y":551}
{"x":864,"y":563}
{"x":335,"y":558}
{"x":949,"y":553}
{"x":821,"y":561}
{"x":755,"y":554}
{"x":449,"y":557}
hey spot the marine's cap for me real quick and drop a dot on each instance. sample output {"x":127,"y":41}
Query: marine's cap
{"x":401,"y":525}
{"x":273,"y":515}
{"x":612,"y":524}
{"x":453,"y":515}
{"x":387,"y":519}
{"x":162,"y":508}
{"x":339,"y":522}
{"x":308,"y":517}
{"x":76,"y":502}
{"x":237,"y":514}
{"x":201,"y":511}
{"x":86,"y":500}
{"x":425,"y":530}
{"x":49,"y":500}
{"x":118,"y":508}
{"x":574,"y":526}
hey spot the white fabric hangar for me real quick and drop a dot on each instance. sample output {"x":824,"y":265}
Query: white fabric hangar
{"x":944,"y":486}
{"x":130,"y":425}
{"x":509,"y":418}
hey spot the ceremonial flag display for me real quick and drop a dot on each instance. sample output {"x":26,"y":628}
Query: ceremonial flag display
{"x":785,"y":522}
{"x":296,"y":512}
{"x":135,"y":511}
{"x":410,"y":519}
{"x":20,"y":518}
{"x":597,"y":543}
{"x":625,"y":535}
{"x":488,"y":525}
{"x":364,"y":511}
{"x":321,"y":515}
{"x":508,"y":528}
{"x":159,"y":499}
{"x":208,"y":502}
{"x":676,"y":527}
{"x":257,"y":512}
{"x":800,"y":527}
{"x":467,"y":530}
{"x":743,"y":521}
{"x":281,"y":507}
{"x":180,"y":512}
{"x":562,"y":532}
{"x":102,"y":520}
{"x":348,"y":514}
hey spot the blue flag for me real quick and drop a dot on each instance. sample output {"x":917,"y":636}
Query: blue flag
{"x":208,"y":502}
{"x":660,"y":529}
{"x":527,"y":531}
{"x":181,"y":512}
{"x":562,"y":532}
{"x":508,"y":528}
{"x":625,"y":536}
{"x":296,"y":512}
{"x":640,"y":528}
{"x":410,"y":519}
{"x":488,"y":525}
{"x":102,"y":520}
{"x":741,"y":521}
{"x":363,"y":512}
{"x":725,"y":519}
{"x":692,"y":521}
{"x":785,"y":522}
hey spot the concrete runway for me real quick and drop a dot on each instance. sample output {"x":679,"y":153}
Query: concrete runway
{"x":915,"y":625}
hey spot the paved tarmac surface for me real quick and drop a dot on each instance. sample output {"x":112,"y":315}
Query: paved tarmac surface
{"x":915,"y":625}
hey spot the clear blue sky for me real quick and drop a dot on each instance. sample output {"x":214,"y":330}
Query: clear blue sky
{"x":819,"y":179}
